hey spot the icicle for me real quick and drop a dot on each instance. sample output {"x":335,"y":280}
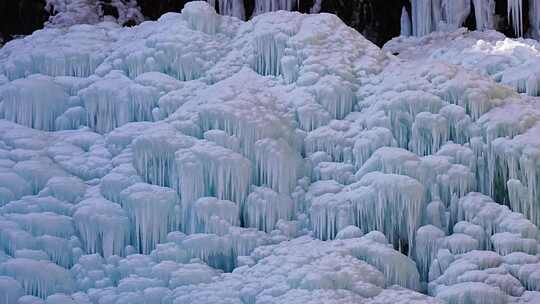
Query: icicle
{"x":428,"y":241}
{"x":515,"y":12}
{"x":116,"y":100}
{"x":484,"y":11}
{"x":316,"y":8}
{"x":422,"y":23}
{"x":429,"y":133}
{"x":397,"y":268}
{"x":277,"y":165}
{"x":266,"y":6}
{"x":207,"y":169}
{"x":151,"y":211}
{"x":534,"y":18}
{"x":405,"y":23}
{"x":269,"y":49}
{"x":455,"y":12}
{"x":335,"y":95}
{"x":103,"y":226}
{"x":39,"y":278}
{"x":35,"y":103}
{"x":201,"y":17}
{"x":206,"y":212}
{"x":264,"y":207}
{"x":233,"y":8}
{"x":153,"y":154}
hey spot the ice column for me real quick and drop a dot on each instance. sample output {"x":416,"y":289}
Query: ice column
{"x":102,"y":225}
{"x":35,"y":103}
{"x":515,"y":11}
{"x":264,"y":207}
{"x":207,"y":169}
{"x":201,"y":17}
{"x":534,"y":17}
{"x":484,"y":10}
{"x":152,"y":213}
{"x":405,"y":23}
{"x":233,"y":8}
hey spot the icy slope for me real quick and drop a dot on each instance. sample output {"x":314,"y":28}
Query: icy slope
{"x":199,"y":158}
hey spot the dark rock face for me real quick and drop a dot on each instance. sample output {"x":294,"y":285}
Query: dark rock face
{"x":378,"y":21}
{"x":21,"y":17}
{"x":153,"y":9}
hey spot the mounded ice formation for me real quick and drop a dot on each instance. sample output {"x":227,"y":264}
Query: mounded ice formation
{"x":286,"y":159}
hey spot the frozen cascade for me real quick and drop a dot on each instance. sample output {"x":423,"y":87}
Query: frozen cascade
{"x":153,"y":213}
{"x":448,"y":15}
{"x":39,"y":278}
{"x":206,"y":212}
{"x":534,"y":17}
{"x":455,"y":12}
{"x":368,"y":204}
{"x":116,"y":100}
{"x":269,"y":50}
{"x":233,"y":8}
{"x":102,"y":225}
{"x":405,"y":202}
{"x":153,"y":154}
{"x":428,"y":242}
{"x":278,"y":166}
{"x":33,"y":102}
{"x":265,"y":207}
{"x":425,"y":16}
{"x":429,"y":133}
{"x":515,"y":13}
{"x":405,"y":23}
{"x":207,"y":169}
{"x":335,"y":96}
{"x":397,"y":268}
{"x":201,"y":17}
{"x":484,"y":11}
{"x":265,"y":6}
